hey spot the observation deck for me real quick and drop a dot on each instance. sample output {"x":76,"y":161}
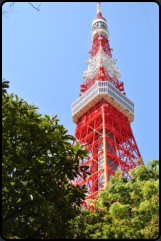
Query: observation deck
{"x":105,"y":90}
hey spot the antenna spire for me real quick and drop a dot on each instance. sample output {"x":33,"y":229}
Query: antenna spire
{"x":99,"y":13}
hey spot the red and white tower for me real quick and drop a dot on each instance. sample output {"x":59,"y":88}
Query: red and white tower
{"x":103,"y":115}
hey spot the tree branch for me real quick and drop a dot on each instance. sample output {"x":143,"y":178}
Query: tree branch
{"x":34,"y":6}
{"x":9,"y":9}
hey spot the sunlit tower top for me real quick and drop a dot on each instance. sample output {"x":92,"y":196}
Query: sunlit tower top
{"x":101,"y":65}
{"x":99,"y":20}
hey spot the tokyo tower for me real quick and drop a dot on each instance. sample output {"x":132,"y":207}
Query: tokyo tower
{"x":102,"y":115}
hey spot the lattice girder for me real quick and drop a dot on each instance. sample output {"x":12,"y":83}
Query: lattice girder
{"x":98,"y":41}
{"x":103,"y":116}
{"x":121,"y":148}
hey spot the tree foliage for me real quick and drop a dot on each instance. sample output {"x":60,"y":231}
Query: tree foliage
{"x":127,"y":209}
{"x":38,"y":161}
{"x":38,"y":199}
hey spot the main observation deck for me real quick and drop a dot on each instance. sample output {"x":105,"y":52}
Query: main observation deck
{"x":105,"y":90}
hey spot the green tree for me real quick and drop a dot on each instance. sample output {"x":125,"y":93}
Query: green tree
{"x":88,"y":225}
{"x":38,"y":161}
{"x":127,"y":209}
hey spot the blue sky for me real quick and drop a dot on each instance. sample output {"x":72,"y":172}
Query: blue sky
{"x":44,"y":54}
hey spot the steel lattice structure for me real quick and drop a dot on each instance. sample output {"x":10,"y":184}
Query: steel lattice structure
{"x":103,"y":115}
